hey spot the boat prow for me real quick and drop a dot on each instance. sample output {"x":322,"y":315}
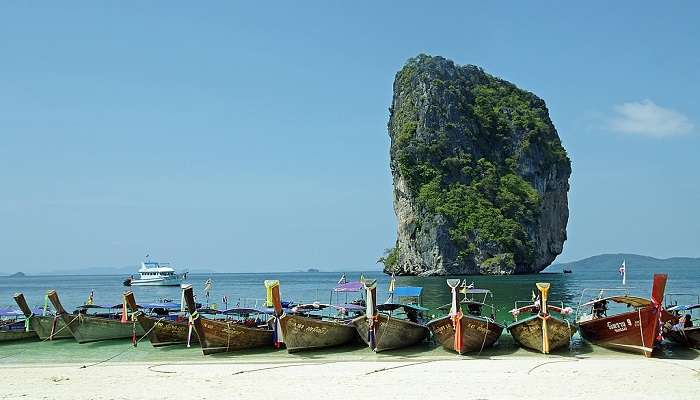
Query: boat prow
{"x":47,"y":327}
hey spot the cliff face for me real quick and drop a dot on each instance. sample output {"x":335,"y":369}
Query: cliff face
{"x":480,"y":175}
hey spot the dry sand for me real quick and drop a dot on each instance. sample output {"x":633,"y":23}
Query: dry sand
{"x":546,"y":377}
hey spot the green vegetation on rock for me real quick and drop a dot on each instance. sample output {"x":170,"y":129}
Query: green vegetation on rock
{"x":460,"y":156}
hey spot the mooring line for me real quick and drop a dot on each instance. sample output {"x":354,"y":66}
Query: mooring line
{"x":399,"y":366}
{"x":131,"y":346}
{"x":281,"y":366}
{"x":550,"y":362}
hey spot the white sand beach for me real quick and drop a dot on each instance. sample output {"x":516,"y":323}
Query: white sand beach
{"x":497,"y":378}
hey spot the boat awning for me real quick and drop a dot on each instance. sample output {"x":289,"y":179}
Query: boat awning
{"x":349,"y":287}
{"x":102,"y":306}
{"x":310,"y":307}
{"x":10,"y":312}
{"x":408,"y":291}
{"x":247,"y":311}
{"x":684,"y":307}
{"x":633,"y":301}
{"x":474,"y":291}
{"x":167,"y":306}
{"x":395,"y":306}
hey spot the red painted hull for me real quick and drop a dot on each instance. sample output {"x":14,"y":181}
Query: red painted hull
{"x":634,"y":331}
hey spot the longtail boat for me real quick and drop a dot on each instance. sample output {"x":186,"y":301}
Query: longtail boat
{"x":317,"y":325}
{"x":542,"y":330}
{"x":685,"y":328}
{"x":381,"y":330}
{"x":633,"y":331}
{"x":14,"y":326}
{"x":46,"y":325}
{"x":227,"y":335}
{"x":471,"y":331}
{"x":163,"y":328}
{"x":87,"y":328}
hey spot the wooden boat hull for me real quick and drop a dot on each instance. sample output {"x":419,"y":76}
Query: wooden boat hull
{"x":689,"y":337}
{"x":528,"y":333}
{"x":478,"y":333}
{"x":633,"y":331}
{"x":86,"y":329}
{"x":391,"y":333}
{"x":45,"y":325}
{"x":163,"y":332}
{"x":16,"y":331}
{"x":226,"y":336}
{"x":303,"y":333}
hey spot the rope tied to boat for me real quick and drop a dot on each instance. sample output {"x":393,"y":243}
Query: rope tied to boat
{"x":190,"y":323}
{"x":27,"y":322}
{"x":127,"y":349}
{"x":42,"y":341}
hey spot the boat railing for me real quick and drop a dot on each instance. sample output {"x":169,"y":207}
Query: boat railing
{"x":557,"y":303}
{"x":600,"y":291}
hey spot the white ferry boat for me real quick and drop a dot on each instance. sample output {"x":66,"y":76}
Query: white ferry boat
{"x":154,"y":273}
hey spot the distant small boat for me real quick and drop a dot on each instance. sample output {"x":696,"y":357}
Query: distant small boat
{"x":47,"y":325}
{"x":467,"y":332}
{"x":154,"y":273}
{"x":383,"y":330}
{"x":567,"y":271}
{"x":106,"y":325}
{"x":634,"y":331}
{"x":164,"y":327}
{"x":542,"y":331}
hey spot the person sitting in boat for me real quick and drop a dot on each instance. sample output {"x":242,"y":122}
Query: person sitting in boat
{"x":600,"y":309}
{"x":412,"y":315}
{"x":688,"y":322}
{"x":536,"y":306}
{"x":474,"y":309}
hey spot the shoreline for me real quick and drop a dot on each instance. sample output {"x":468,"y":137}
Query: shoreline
{"x":502,"y":377}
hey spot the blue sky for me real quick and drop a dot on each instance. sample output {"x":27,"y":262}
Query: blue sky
{"x":241,"y":138}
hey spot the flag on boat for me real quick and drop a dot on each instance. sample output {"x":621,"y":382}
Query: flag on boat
{"x":91,"y":298}
{"x":342,"y":280}
{"x":224,"y":299}
{"x":207,"y":286}
{"x":623,"y":272}
{"x":392,"y":283}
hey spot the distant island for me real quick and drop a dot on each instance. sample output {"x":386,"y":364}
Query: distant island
{"x":313,"y":270}
{"x":17,"y":275}
{"x":613,"y":261}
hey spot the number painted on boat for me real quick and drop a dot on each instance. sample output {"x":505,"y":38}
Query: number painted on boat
{"x":618,"y":326}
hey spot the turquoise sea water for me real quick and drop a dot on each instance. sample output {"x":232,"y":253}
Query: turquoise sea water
{"x":306,"y":287}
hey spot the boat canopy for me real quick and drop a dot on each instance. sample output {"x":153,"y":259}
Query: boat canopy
{"x":321,"y":306}
{"x":11,"y":312}
{"x":349,"y":287}
{"x":247,"y":311}
{"x":395,"y":306}
{"x":408,"y":291}
{"x":102,"y":306}
{"x":684,"y":307}
{"x":167,"y":306}
{"x":633,"y":301}
{"x":475,"y":291}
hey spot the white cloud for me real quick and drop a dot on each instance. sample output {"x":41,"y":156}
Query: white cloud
{"x":647,"y":119}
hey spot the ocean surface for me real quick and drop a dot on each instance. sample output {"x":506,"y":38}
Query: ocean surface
{"x":247,"y":289}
